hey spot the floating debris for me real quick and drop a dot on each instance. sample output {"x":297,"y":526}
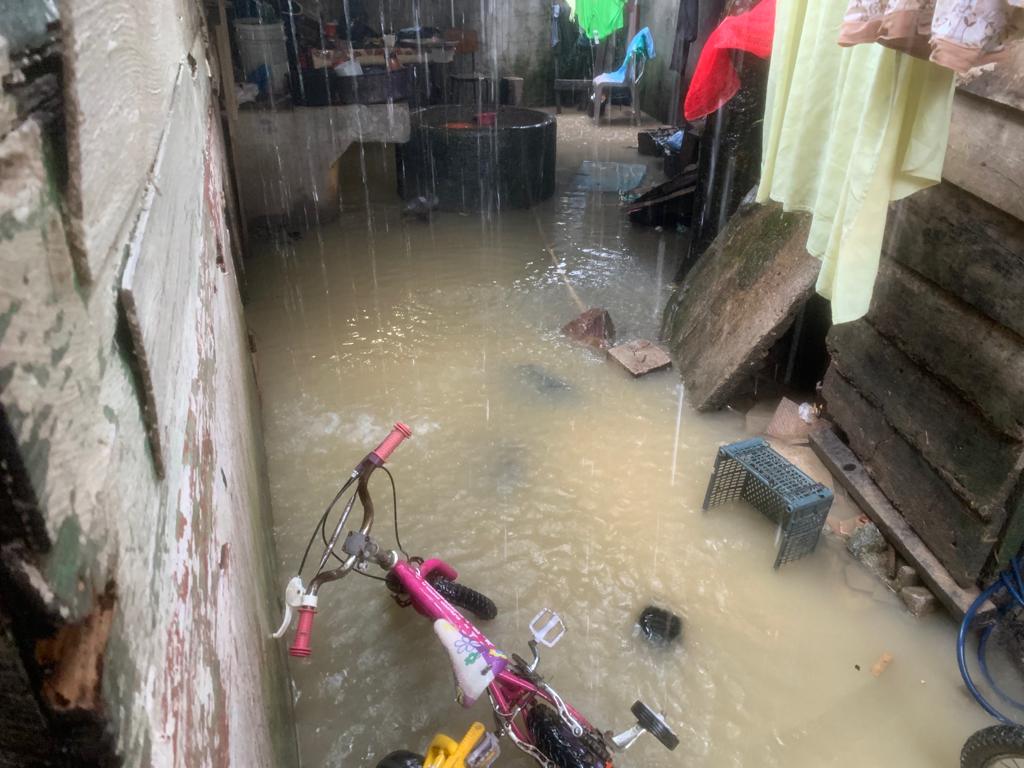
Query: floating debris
{"x":593,"y":328}
{"x":882,"y":664}
{"x":660,"y":626}
{"x":640,"y":357}
{"x":421,"y":207}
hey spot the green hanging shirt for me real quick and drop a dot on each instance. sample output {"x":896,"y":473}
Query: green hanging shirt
{"x":598,"y":18}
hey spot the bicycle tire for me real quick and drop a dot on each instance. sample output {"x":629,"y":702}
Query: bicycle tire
{"x":556,"y":741}
{"x":465,"y":597}
{"x":985,"y":748}
{"x":402,"y":759}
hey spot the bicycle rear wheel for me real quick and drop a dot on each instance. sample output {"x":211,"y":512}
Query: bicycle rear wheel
{"x":557,"y":743}
{"x":402,"y":759}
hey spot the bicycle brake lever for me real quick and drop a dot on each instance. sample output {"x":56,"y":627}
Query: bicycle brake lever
{"x":292,"y":599}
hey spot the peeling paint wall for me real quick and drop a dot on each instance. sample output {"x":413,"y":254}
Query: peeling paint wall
{"x":143,"y":601}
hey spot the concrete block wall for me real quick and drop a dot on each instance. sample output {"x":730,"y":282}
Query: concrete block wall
{"x":136,"y":604}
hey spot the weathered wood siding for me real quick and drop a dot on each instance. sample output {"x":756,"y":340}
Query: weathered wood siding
{"x":929,"y":387}
{"x":169,"y":578}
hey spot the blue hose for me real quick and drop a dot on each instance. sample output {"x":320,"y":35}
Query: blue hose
{"x":1012,"y":581}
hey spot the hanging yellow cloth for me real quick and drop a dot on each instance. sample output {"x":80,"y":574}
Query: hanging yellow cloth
{"x":847,"y":130}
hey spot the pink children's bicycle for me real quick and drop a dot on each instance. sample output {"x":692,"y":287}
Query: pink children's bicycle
{"x":526,"y":709}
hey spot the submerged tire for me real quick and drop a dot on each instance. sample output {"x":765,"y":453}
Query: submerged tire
{"x":466,"y":598}
{"x":989,"y":747}
{"x":556,"y":741}
{"x":402,"y":759}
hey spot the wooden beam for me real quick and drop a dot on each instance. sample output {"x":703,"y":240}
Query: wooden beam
{"x":848,"y":470}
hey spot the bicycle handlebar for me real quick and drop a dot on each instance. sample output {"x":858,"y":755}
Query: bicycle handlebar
{"x":398,"y":433}
{"x":307,"y":612}
{"x":301,"y":646}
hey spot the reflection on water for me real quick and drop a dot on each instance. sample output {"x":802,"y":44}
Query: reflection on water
{"x":550,"y":478}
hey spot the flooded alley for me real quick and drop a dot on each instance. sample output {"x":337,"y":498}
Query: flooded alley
{"x":551,"y":479}
{"x":651,"y":370}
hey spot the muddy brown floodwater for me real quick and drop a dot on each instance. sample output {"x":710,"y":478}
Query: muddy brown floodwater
{"x":549,"y":478}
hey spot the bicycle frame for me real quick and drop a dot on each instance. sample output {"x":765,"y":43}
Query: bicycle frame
{"x":513,"y":689}
{"x":509,"y":692}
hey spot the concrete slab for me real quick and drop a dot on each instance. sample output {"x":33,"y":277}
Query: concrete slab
{"x":741,"y":296}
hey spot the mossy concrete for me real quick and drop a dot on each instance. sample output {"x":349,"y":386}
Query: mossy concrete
{"x":739,"y":298}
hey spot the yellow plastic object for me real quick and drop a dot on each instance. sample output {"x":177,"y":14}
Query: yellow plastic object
{"x":445,"y":752}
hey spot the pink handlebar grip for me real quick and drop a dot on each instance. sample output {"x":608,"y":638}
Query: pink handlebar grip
{"x":398,"y":434}
{"x":300,"y":648}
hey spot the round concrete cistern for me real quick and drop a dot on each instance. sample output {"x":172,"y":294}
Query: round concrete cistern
{"x":478,"y":161}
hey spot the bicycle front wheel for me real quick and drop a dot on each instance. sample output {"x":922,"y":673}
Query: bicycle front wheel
{"x":465,"y":597}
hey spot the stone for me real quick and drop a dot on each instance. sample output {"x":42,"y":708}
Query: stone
{"x":659,"y":626}
{"x":906,"y":576}
{"x":919,"y":600}
{"x":593,"y":328}
{"x":869,"y":547}
{"x":867,"y":540}
{"x":640,"y":357}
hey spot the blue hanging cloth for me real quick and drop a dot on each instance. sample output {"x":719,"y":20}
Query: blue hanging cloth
{"x":641,"y":47}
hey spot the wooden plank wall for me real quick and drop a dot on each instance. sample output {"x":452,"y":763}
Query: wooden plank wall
{"x":929,"y":387}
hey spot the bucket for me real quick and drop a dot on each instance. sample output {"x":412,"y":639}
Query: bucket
{"x":263,"y":45}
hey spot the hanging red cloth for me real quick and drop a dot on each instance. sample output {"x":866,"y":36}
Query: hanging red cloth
{"x":715,"y":80}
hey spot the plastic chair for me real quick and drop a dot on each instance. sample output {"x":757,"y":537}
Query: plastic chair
{"x":641,"y":48}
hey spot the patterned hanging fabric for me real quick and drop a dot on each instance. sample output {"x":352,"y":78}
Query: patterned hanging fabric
{"x":957,"y":34}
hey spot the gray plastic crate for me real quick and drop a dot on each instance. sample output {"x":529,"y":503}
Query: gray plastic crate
{"x":752,"y":471}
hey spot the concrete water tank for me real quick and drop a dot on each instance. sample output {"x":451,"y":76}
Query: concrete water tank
{"x":478,"y":162}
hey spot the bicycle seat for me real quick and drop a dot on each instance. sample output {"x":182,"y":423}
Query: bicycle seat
{"x":475,"y":664}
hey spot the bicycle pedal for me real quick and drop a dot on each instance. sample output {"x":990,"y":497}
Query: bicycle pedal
{"x":547,"y":628}
{"x":485,"y":753}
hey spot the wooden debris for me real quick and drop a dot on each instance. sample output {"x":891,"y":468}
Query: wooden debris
{"x":640,"y":357}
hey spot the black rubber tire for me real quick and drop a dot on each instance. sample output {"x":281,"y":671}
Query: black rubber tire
{"x":402,"y":759}
{"x":556,"y":741}
{"x":464,"y":597}
{"x":654,"y":725}
{"x":988,"y":745}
